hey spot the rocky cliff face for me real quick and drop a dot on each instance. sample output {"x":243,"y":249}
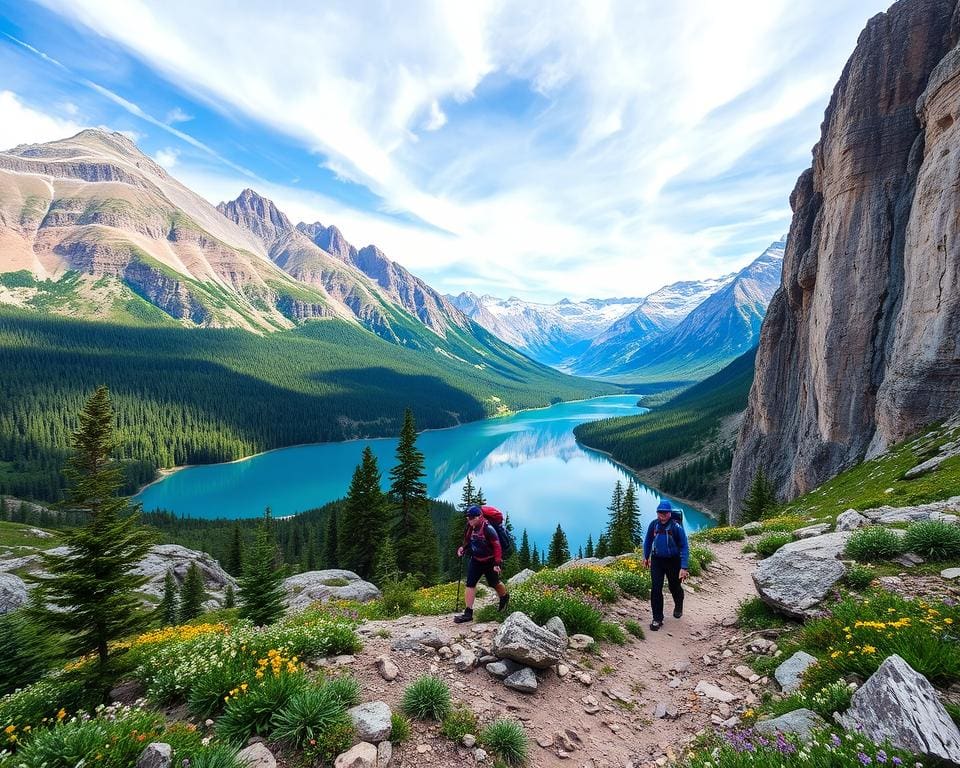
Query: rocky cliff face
{"x":861,"y":344}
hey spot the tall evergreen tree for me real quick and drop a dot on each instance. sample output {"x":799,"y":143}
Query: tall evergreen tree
{"x":261,"y":586}
{"x":535,"y":563}
{"x":619,"y":537}
{"x":192,"y":594}
{"x":364,"y":522}
{"x":168,"y":610}
{"x":760,"y":501}
{"x":88,"y":593}
{"x":523,"y":552}
{"x":330,"y":542}
{"x":630,"y":517}
{"x":559,"y":551}
{"x":580,"y":553}
{"x":603,"y":546}
{"x":589,"y":550}
{"x":468,"y":496}
{"x":229,"y":597}
{"x":386,"y":569}
{"x":234,"y":564}
{"x":311,"y":558}
{"x":415,"y":540}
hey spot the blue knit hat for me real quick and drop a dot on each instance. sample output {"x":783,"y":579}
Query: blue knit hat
{"x":664,"y":506}
{"x":474,"y":511}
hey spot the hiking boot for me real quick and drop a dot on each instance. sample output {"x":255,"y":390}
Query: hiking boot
{"x":503,"y":602}
{"x":464,"y":617}
{"x":654,"y":625}
{"x":678,"y":612}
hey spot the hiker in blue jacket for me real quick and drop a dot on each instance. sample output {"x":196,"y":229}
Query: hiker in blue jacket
{"x":665,"y":552}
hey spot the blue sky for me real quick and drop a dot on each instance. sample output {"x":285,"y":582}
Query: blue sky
{"x":599,"y":149}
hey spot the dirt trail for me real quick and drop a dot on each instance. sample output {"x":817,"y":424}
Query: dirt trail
{"x":612,"y":722}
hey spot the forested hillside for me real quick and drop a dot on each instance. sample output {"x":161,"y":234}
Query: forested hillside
{"x":682,"y":425}
{"x":186,"y":396}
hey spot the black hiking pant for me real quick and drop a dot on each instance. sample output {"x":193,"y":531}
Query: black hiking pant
{"x":669,"y":567}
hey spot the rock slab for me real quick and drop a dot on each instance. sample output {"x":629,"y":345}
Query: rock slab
{"x":13,"y":592}
{"x":362,"y":755}
{"x":898,"y":704}
{"x":790,"y":674}
{"x":521,"y":640}
{"x":156,"y":755}
{"x":323,"y":586}
{"x":799,"y":575}
{"x":800,"y":722}
{"x":257,"y":756}
{"x":372,"y":721}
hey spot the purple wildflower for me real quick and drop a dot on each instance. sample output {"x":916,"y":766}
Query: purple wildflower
{"x":864,"y":758}
{"x":896,"y":760}
{"x":835,"y":740}
{"x":881,"y":756}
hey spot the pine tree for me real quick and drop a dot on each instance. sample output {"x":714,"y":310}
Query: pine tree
{"x":535,"y":563}
{"x":580,"y":553}
{"x":311,"y":558}
{"x":760,"y":500}
{"x":365,"y":518}
{"x":385,"y":569}
{"x":261,"y":586}
{"x":523,"y":552}
{"x":415,"y":540}
{"x":330,"y":542}
{"x":468,"y":496}
{"x":167,"y":610}
{"x":589,"y":550}
{"x":481,"y":500}
{"x":229,"y":598}
{"x":234,"y":564}
{"x":192,"y":594}
{"x":603,"y":547}
{"x":559,"y":551}
{"x":89,"y":593}
{"x":630,"y":518}
{"x":619,"y":536}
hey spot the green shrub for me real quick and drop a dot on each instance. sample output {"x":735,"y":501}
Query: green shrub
{"x":873,"y":543}
{"x":507,"y":740}
{"x":700,"y":558}
{"x":771,"y":542}
{"x":459,"y":722}
{"x":581,"y":613}
{"x":753,"y":613}
{"x":216,"y":756}
{"x":612,"y":633}
{"x":858,"y":577}
{"x":399,"y":597}
{"x":634,"y":582}
{"x":400,"y":728}
{"x":783,"y":523}
{"x":345,"y":689}
{"x":309,"y":715}
{"x":748,"y":547}
{"x":427,"y":697}
{"x":249,"y":711}
{"x":43,"y":700}
{"x":719,"y":535}
{"x":592,"y":581}
{"x":859,"y":634}
{"x":27,"y":650}
{"x":634,"y":628}
{"x":933,"y":539}
{"x":209,"y":687}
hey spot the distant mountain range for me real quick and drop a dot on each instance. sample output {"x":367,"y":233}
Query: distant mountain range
{"x":683,"y":331}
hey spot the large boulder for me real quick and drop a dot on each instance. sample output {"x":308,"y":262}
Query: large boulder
{"x":372,"y":721}
{"x":799,"y":722}
{"x":520,"y":578}
{"x":422,"y":638}
{"x":798,"y":576}
{"x":13,"y":592}
{"x":898,"y":704}
{"x":936,"y":510}
{"x":521,"y":640}
{"x":790,"y":673}
{"x":850,"y":520}
{"x":331,"y":584}
{"x":177,"y":559}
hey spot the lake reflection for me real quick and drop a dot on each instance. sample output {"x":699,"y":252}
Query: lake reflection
{"x":528,"y":465}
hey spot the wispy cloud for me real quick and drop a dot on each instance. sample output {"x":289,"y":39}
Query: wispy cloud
{"x":21,"y":124}
{"x":633,"y":143}
{"x":177,"y":115}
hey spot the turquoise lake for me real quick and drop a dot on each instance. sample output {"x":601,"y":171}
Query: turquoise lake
{"x":529,"y":465}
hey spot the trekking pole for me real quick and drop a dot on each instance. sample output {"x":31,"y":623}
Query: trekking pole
{"x":459,"y":579}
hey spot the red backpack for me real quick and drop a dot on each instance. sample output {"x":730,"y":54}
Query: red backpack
{"x":494,"y":518}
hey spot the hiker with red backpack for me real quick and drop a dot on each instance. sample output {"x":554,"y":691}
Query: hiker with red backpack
{"x":482,"y":538}
{"x":666,"y":552}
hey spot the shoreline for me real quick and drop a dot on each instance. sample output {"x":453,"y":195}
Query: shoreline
{"x":164,"y":472}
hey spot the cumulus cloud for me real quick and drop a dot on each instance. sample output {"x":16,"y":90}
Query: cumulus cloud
{"x":167,"y":157}
{"x":177,"y":115}
{"x":21,"y":124}
{"x":606,"y":137}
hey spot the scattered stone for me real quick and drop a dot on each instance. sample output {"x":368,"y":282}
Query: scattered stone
{"x":422,"y":749}
{"x":585,"y":678}
{"x":416,"y":639}
{"x":618,"y":694}
{"x":727,"y":653}
{"x":744,"y":671}
{"x":680,"y":666}
{"x":810,"y":531}
{"x":521,"y":577}
{"x":503,"y":669}
{"x":469,"y":740}
{"x":465,"y":660}
{"x":850,"y":520}
{"x":714,"y":692}
{"x":487,"y":659}
{"x":545,"y":741}
{"x":362,"y":755}
{"x":520,"y":639}
{"x":384,"y":754}
{"x":523,"y":680}
{"x":562,"y":670}
{"x":790,"y":673}
{"x":258,"y":756}
{"x":479,"y":755}
{"x":723,"y":710}
{"x":908,"y":560}
{"x":372,"y":721}
{"x":555,"y":625}
{"x":580,"y":642}
{"x":444,"y":652}
{"x":950,"y":573}
{"x":898,"y":704}
{"x":156,"y":755}
{"x":801,"y":722}
{"x":387,"y":669}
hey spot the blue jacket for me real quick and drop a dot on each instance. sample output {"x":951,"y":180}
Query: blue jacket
{"x":669,"y":541}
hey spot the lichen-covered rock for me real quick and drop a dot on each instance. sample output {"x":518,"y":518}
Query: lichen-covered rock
{"x":555,"y":625}
{"x":372,"y":721}
{"x":898,"y":704}
{"x":789,"y":674}
{"x":303,"y":589}
{"x":13,"y":592}
{"x":851,"y":520}
{"x":798,"y":576}
{"x":799,"y":722}
{"x":521,"y":640}
{"x":257,"y":755}
{"x":177,"y":559}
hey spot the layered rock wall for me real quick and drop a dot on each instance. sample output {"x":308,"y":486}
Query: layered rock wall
{"x":859,"y":347}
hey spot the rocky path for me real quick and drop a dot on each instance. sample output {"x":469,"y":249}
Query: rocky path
{"x":632,"y":705}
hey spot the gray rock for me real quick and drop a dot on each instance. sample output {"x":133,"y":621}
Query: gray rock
{"x":523,"y":680}
{"x":156,"y":755}
{"x":13,"y":592}
{"x":811,"y":530}
{"x":257,"y":756}
{"x":580,"y":642}
{"x":714,"y":692}
{"x":465,"y":660}
{"x":790,"y":674}
{"x":899,"y":704}
{"x":935,"y":510}
{"x":521,"y":577}
{"x":800,"y":722}
{"x":520,"y":639}
{"x":303,"y":589}
{"x":752,"y":528}
{"x":850,"y":520}
{"x":177,"y":559}
{"x":950,"y":573}
{"x":372,"y":721}
{"x":387,"y":669}
{"x":555,"y":625}
{"x":503,"y":669}
{"x":384,"y":754}
{"x":417,"y":639}
{"x":798,"y":576}
{"x":908,"y":560}
{"x":362,"y":755}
